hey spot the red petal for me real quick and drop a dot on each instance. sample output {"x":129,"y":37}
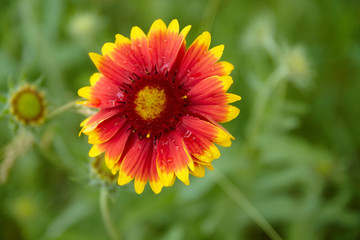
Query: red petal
{"x":218,"y":113}
{"x":116,"y":146}
{"x":208,"y":92}
{"x":165,"y":45}
{"x":139,"y":163}
{"x":105,"y":94}
{"x":173,"y":158}
{"x":106,"y":130}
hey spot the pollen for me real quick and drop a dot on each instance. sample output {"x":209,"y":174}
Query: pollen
{"x":150,"y":102}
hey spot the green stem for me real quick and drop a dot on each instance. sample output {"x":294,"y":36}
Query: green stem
{"x":230,"y":189}
{"x":62,"y":108}
{"x":209,"y":14}
{"x":260,"y":104}
{"x":104,"y":209}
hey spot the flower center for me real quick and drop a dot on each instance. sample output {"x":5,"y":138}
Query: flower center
{"x":150,"y":102}
{"x":28,"y":106}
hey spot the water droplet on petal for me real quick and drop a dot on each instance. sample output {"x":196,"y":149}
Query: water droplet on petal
{"x":187,"y":134}
{"x":120,"y":95}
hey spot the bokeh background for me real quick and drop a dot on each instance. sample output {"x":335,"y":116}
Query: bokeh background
{"x":295,"y":157}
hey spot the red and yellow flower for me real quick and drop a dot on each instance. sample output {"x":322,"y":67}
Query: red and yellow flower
{"x":159,"y":106}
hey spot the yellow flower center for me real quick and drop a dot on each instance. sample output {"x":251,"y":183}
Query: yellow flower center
{"x":150,"y":102}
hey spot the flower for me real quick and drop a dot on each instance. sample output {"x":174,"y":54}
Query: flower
{"x":295,"y":60}
{"x":28,"y":105}
{"x":159,"y":106}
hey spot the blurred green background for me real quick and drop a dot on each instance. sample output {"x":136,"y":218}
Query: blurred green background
{"x":295,"y":157}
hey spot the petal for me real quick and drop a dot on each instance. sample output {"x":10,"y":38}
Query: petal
{"x":108,"y":48}
{"x":89,"y":124}
{"x":174,"y":26}
{"x":132,"y":55}
{"x":95,"y":78}
{"x":140,"y":50}
{"x":230,"y":98}
{"x":195,"y":53}
{"x":205,"y":129}
{"x":165,"y":44}
{"x":116,"y":147}
{"x":226,"y":82}
{"x":219,"y":113}
{"x":95,"y":150}
{"x":210,"y":91}
{"x":139,"y":163}
{"x":137,"y":34}
{"x":199,"y":170}
{"x":173,"y":159}
{"x":121,"y":40}
{"x":106,"y":130}
{"x":111,"y":69}
{"x":200,"y":63}
{"x":85,"y":92}
{"x":103,"y":94}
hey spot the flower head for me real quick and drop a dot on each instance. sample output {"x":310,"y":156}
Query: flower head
{"x":28,"y":105}
{"x":159,"y":106}
{"x":296,"y":61}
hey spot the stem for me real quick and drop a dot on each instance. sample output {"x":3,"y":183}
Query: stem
{"x":230,"y":189}
{"x":209,"y":14}
{"x":261,"y":101}
{"x":62,"y":108}
{"x":104,"y":209}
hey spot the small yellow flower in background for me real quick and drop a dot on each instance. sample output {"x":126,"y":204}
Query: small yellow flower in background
{"x":28,"y":106}
{"x":296,"y":62}
{"x":160,"y":104}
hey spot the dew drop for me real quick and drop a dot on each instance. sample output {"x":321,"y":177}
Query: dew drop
{"x":164,"y":67}
{"x":187,"y":134}
{"x":125,"y":62}
{"x":170,"y":160}
{"x":120,"y":95}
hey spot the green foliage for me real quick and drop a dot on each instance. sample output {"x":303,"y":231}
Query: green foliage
{"x":296,"y":154}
